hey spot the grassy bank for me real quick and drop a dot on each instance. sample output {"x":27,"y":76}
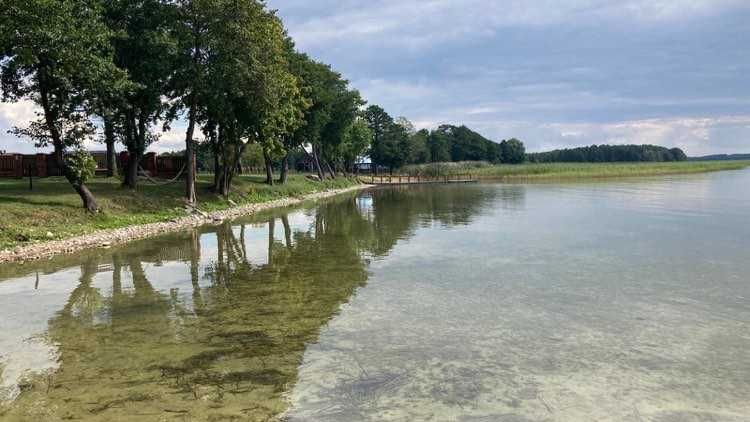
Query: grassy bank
{"x":562,"y":171}
{"x":52,"y":210}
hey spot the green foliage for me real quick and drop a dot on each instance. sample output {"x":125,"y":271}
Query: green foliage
{"x":357,"y":140}
{"x":609,"y":154}
{"x":378,"y":120}
{"x":419,"y":152}
{"x":392,"y":140}
{"x":55,"y":53}
{"x":439,"y":146}
{"x":81,"y":164}
{"x":513,"y":151}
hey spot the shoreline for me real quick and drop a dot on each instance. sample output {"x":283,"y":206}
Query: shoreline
{"x":110,"y":237}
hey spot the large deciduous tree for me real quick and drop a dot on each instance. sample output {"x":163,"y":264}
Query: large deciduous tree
{"x":332,"y":107}
{"x":56,"y":53}
{"x":378,"y":121}
{"x":145,"y":47}
{"x":356,"y":142}
{"x":513,"y":151}
{"x":251,"y":95}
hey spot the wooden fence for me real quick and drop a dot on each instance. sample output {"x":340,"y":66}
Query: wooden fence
{"x":393,"y":179}
{"x":45,"y":165}
{"x":23,"y":165}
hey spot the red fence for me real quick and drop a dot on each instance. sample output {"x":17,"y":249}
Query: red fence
{"x":20,"y":165}
{"x":44,"y":165}
{"x":10,"y":165}
{"x":166,"y":167}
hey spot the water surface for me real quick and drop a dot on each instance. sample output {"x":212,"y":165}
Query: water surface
{"x":611,"y":301}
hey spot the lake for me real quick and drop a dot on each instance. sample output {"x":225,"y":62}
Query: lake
{"x":624,"y":300}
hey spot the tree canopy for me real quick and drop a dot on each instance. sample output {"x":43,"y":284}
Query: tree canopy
{"x":609,"y":153}
{"x":221,"y":68}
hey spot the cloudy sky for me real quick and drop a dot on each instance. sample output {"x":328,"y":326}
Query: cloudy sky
{"x":552,"y":73}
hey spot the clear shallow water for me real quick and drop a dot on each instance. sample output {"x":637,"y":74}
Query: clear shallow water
{"x":619,"y":300}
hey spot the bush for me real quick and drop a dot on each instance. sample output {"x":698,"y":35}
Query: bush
{"x":82,"y":165}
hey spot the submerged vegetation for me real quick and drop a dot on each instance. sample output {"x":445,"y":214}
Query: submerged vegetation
{"x":212,"y":324}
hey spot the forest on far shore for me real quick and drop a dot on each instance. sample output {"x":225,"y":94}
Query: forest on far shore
{"x":609,"y":154}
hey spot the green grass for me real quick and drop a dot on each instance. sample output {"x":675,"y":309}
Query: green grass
{"x":562,"y":171}
{"x":53,"y":210}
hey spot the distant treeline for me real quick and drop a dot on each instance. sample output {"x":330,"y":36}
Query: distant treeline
{"x":459,"y":143}
{"x":721,"y":157}
{"x":609,"y":154}
{"x":396,"y":143}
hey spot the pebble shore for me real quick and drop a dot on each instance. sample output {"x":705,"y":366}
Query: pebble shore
{"x":107,"y":238}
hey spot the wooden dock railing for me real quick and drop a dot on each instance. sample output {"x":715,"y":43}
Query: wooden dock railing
{"x":401,"y":179}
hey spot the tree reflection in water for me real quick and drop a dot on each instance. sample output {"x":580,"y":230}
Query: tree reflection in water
{"x":189,"y":326}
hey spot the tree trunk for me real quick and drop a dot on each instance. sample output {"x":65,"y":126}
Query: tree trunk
{"x":190,"y":156}
{"x":284,"y":169}
{"x":109,"y":139}
{"x":131,"y":176}
{"x":269,"y":168}
{"x":330,"y":169}
{"x":217,"y":169}
{"x":218,"y":149}
{"x":134,"y":152}
{"x":316,"y":161}
{"x":50,"y":119}
{"x":224,"y":182}
{"x":89,"y":202}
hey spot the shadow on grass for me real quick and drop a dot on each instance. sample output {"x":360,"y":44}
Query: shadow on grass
{"x":22,"y":200}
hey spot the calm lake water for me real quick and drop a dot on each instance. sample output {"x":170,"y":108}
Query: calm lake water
{"x":609,"y":301}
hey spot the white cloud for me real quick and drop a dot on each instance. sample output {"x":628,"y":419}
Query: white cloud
{"x":418,"y":23}
{"x":19,"y":113}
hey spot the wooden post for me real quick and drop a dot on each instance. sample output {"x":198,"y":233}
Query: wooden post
{"x":31,"y":183}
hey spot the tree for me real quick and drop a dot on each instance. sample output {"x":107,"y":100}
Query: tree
{"x":513,"y":151}
{"x":145,"y":47}
{"x":406,"y":124}
{"x":252,"y":96}
{"x":56,"y":53}
{"x":186,"y":87}
{"x":438,"y":145}
{"x":344,"y":111}
{"x":356,"y":143}
{"x":332,"y":107}
{"x":378,"y":121}
{"x":418,"y":146}
{"x":395,"y":148}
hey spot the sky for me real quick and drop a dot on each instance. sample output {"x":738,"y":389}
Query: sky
{"x":553,"y":73}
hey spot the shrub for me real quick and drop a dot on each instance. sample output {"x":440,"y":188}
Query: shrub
{"x":82,"y":165}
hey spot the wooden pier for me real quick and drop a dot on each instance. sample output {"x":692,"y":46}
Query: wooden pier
{"x":394,"y":179}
